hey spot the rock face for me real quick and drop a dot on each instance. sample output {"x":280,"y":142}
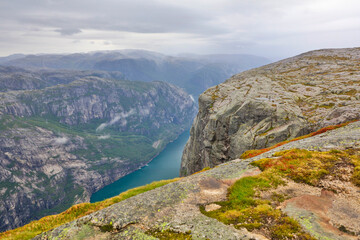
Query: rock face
{"x":60,"y":143}
{"x":179,"y":210}
{"x":260,"y":107}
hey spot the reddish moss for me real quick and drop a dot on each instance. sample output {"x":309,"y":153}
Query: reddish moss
{"x":256,"y":152}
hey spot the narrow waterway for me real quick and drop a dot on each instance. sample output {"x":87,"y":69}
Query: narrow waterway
{"x":165,"y":166}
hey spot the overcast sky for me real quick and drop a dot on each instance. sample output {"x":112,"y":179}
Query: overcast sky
{"x":269,"y":28}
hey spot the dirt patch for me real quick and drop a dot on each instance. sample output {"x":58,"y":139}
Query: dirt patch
{"x":215,"y":190}
{"x":212,"y":207}
{"x":212,"y":190}
{"x":330,"y":212}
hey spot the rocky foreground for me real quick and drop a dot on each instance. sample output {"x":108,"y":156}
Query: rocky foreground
{"x":326,"y":209}
{"x":303,"y":188}
{"x":280,"y":101}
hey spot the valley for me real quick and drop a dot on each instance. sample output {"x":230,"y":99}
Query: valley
{"x":61,"y":143}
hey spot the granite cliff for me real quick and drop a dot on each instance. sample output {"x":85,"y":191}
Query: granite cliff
{"x":280,"y":101}
{"x":65,"y":134}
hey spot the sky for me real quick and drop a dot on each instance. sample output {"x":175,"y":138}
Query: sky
{"x":270,"y":28}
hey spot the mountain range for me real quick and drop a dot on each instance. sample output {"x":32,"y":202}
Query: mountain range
{"x":194,"y":73}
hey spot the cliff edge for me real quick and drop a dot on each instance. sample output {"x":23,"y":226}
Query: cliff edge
{"x":280,"y":101}
{"x":237,"y":200}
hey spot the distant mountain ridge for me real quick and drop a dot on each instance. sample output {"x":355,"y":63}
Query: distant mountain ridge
{"x":190,"y":72}
{"x":15,"y":78}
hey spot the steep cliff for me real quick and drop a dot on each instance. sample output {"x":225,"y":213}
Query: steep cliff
{"x":59,"y":144}
{"x":315,"y":197}
{"x":260,"y":107}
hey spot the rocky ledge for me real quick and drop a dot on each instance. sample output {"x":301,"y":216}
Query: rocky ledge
{"x":280,"y":101}
{"x":327,"y":208}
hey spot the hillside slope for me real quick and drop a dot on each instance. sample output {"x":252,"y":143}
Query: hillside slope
{"x":280,"y":205}
{"x":61,"y":143}
{"x":263,"y":106}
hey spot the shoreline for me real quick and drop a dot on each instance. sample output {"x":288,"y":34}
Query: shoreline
{"x":143,"y":165}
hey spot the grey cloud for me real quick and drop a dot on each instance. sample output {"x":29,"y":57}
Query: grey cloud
{"x":277,"y":28}
{"x":68,"y":31}
{"x":142,"y":16}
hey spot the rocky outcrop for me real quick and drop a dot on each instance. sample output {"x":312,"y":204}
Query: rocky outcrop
{"x":280,"y":101}
{"x":176,"y":206}
{"x":59,"y":144}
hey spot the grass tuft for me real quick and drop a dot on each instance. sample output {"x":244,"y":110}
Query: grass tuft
{"x":47,"y":223}
{"x":246,"y":209}
{"x":169,"y":234}
{"x":309,"y":167}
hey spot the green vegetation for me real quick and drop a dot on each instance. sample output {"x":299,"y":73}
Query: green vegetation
{"x":246,"y":208}
{"x":328,"y":105}
{"x":73,"y":192}
{"x":169,"y":234}
{"x":355,"y":160}
{"x":10,"y":188}
{"x":49,"y":222}
{"x":202,"y":170}
{"x":309,"y":167}
{"x":129,"y":146}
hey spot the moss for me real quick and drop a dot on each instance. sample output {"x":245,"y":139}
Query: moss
{"x":328,"y":106}
{"x":203,"y":170}
{"x":246,"y":209}
{"x":256,"y":152}
{"x":355,"y":160}
{"x":351,"y":92}
{"x":345,"y":230}
{"x":287,"y":229}
{"x":309,"y":167}
{"x":278,"y":198}
{"x":169,"y":234}
{"x":106,"y":228}
{"x":85,"y":232}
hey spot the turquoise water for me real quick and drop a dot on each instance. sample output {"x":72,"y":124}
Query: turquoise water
{"x":165,"y":166}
